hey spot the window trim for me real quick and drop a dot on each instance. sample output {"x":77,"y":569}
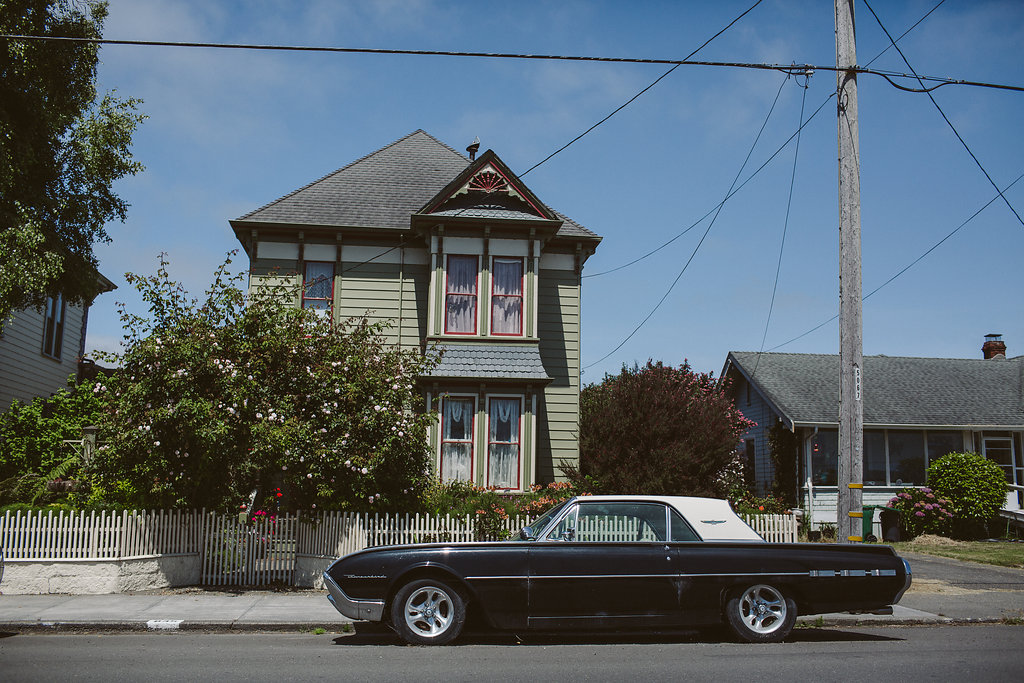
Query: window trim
{"x":521,"y":296}
{"x":306,"y":283}
{"x":476,"y":293}
{"x":53,"y":326}
{"x":471,"y":440}
{"x":519,"y":443}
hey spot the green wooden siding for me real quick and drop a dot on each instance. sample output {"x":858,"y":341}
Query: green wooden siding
{"x":383,"y":292}
{"x":386,"y":292}
{"x":558,"y":317}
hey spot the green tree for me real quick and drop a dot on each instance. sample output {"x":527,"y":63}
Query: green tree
{"x":32,"y":435}
{"x":62,"y":146}
{"x":219,"y":397}
{"x":656,"y":430}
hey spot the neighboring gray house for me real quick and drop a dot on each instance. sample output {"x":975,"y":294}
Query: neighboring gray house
{"x":456,"y":254}
{"x":915,"y":410}
{"x":40,"y":349}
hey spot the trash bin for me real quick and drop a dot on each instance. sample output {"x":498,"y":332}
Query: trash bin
{"x":890,"y":520}
{"x":868,"y":527}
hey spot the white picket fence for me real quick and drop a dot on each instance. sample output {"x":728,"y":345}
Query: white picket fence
{"x":258,"y":552}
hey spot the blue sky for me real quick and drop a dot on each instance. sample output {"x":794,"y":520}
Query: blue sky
{"x":229,"y":131}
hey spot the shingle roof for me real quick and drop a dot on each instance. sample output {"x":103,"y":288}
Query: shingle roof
{"x":897,"y":390}
{"x":490,"y":361}
{"x":381,"y":190}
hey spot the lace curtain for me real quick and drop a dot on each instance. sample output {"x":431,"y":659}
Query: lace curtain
{"x":456,"y":438}
{"x":460,"y":299}
{"x":507,"y":297}
{"x":318,"y":287}
{"x":503,"y":453}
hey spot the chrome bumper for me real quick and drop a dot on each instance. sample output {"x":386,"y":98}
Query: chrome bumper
{"x":906,"y":584}
{"x":363,"y":610}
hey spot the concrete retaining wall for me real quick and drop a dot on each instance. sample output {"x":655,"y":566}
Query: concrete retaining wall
{"x":309,"y":570}
{"x":87,"y":577}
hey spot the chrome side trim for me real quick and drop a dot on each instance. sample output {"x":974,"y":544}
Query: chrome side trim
{"x":363,"y":610}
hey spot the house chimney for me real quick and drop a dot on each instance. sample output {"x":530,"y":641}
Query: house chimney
{"x":473,"y":147}
{"x":993,"y":346}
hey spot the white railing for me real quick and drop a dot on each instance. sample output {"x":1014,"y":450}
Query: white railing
{"x":236,"y":552}
{"x":774,"y":528}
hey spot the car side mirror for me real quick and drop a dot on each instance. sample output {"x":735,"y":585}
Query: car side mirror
{"x":568,"y":535}
{"x":526,"y":534}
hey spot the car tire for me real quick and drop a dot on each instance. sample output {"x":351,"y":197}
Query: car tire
{"x":428,"y":612}
{"x":760,"y":614}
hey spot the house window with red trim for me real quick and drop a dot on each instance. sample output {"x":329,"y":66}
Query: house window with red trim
{"x":460,"y":295}
{"x":503,"y":447}
{"x":457,"y":417}
{"x":318,"y":287}
{"x":53,"y":326}
{"x":507,"y":296}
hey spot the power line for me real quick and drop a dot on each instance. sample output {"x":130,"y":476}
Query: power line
{"x":697,"y":248}
{"x":729,"y":196}
{"x":909,"y":265}
{"x":511,"y":55}
{"x":945,"y":118}
{"x":712,"y":210}
{"x":631,"y":99}
{"x":785,"y":228}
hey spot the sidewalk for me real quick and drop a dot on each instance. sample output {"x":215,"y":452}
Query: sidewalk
{"x":944,"y":591}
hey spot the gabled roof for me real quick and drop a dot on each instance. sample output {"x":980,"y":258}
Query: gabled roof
{"x":382,"y":190}
{"x":490,"y":361}
{"x":938,"y":392}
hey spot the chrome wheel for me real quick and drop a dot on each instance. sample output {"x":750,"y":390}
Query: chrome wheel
{"x":762,"y":609}
{"x":760,"y":614}
{"x":429,"y":611}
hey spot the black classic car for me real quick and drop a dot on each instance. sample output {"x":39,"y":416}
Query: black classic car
{"x":599,"y":562}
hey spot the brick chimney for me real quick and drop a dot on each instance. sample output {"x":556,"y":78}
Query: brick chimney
{"x":993,"y":346}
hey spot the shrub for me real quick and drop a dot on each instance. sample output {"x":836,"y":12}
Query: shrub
{"x":922,"y":512}
{"x":492,"y":507}
{"x":749,"y":504}
{"x":218,"y":398}
{"x":656,"y":429}
{"x":975,"y":486}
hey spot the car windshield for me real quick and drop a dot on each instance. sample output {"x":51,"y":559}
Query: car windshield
{"x":538,"y":524}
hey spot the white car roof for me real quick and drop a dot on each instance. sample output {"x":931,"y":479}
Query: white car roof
{"x":712,"y":518}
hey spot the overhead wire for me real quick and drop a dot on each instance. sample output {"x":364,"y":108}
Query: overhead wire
{"x":943,"y":114}
{"x":785,"y":228}
{"x":712,"y":210}
{"x":509,"y":55}
{"x":703,"y":237}
{"x":908,"y":266}
{"x":634,"y":97}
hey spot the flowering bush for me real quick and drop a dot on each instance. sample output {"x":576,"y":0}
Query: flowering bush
{"x":493,"y":507}
{"x":218,"y":398}
{"x":922,"y":511}
{"x":749,"y":504}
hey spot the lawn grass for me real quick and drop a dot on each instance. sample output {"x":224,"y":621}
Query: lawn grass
{"x":986,"y":552}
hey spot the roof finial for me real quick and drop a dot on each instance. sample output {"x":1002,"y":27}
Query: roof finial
{"x":473,"y":147}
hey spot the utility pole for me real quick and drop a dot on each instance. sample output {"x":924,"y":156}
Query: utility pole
{"x":850,"y":510}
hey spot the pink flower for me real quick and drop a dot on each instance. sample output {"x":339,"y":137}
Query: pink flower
{"x":919,"y":514}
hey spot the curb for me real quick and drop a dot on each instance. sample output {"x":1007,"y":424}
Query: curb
{"x":168,"y":626}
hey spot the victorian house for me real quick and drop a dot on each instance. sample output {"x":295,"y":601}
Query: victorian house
{"x":459,"y":255}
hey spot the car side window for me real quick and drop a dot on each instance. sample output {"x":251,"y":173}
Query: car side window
{"x":565,"y":530}
{"x":616,"y":523}
{"x":681,"y":530}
